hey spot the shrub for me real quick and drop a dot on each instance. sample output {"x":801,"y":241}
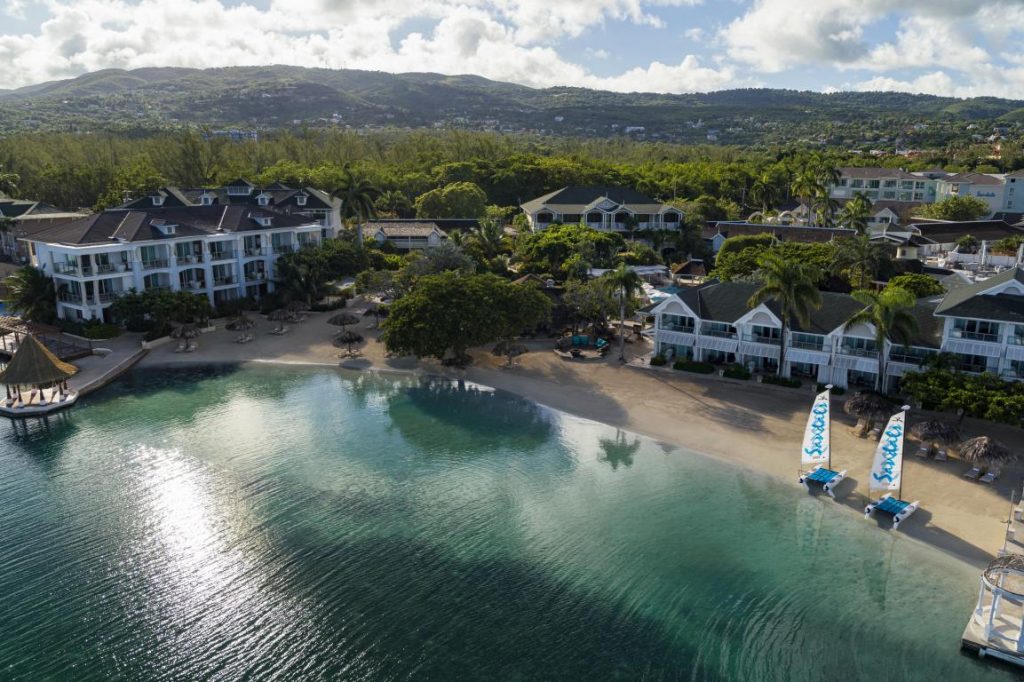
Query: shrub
{"x":919,"y":285}
{"x":658,"y":361}
{"x":984,"y":396}
{"x":694,"y":366}
{"x":99,"y":330}
{"x":736,"y":371}
{"x":157,"y":332}
{"x":781,"y":381}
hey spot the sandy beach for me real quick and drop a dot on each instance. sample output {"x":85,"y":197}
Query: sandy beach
{"x":758,"y":427}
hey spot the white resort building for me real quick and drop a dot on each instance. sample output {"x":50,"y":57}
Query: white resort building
{"x":981,"y":325}
{"x":613,"y":209}
{"x":224,"y":252}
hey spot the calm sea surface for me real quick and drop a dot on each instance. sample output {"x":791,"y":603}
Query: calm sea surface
{"x":295,"y":524}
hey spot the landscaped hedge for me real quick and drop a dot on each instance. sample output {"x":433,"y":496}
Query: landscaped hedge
{"x":658,"y":361}
{"x":100,"y":331}
{"x":985,"y":396}
{"x":781,"y":381}
{"x":693,"y":366}
{"x":736,"y":371}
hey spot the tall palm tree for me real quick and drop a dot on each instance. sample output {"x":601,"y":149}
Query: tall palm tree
{"x":855,"y":213}
{"x":807,"y":188}
{"x":489,"y":236}
{"x":627,"y":283}
{"x":860,"y":256}
{"x":764,"y":193}
{"x":793,"y":286}
{"x":357,"y":196}
{"x":31,"y":294}
{"x":888,"y":311}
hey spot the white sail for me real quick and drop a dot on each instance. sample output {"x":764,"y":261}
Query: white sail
{"x":817,"y":447}
{"x":887,"y":470}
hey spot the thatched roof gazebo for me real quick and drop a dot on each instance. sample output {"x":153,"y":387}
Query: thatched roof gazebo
{"x":343,"y":320}
{"x":348,"y":338}
{"x":868,"y":407}
{"x":936,"y":432}
{"x":35,"y":368}
{"x":985,"y":450}
{"x":185,"y":331}
{"x":241,"y":323}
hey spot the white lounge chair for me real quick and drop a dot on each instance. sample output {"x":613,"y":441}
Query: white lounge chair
{"x":990,"y":476}
{"x":973,"y":474}
{"x":876,"y":432}
{"x":941,"y":455}
{"x":923,"y":452}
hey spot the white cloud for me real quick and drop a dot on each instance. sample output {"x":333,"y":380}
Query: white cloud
{"x":500,"y":39}
{"x":694,"y":34}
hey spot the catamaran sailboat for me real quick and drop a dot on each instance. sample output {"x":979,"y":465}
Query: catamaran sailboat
{"x":887,"y":473}
{"x":816,"y":454}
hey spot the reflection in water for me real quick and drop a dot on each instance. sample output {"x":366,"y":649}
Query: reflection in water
{"x":619,"y":451}
{"x":291,"y":524}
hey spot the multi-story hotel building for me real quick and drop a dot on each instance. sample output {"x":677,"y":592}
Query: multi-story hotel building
{"x":981,"y":325}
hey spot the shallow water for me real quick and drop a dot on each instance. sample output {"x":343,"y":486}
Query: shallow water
{"x":300,"y":524}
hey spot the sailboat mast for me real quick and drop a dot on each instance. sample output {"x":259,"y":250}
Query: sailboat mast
{"x":903,"y":440}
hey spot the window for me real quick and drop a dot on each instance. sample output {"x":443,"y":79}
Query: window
{"x":889,"y":183}
{"x":677,"y":323}
{"x":807,"y":341}
{"x":888,"y":194}
{"x":263,"y":200}
{"x":671,"y":217}
{"x":855,"y":345}
{"x":544,"y":217}
{"x":918,"y":185}
{"x":918,"y":196}
{"x":874,"y":184}
{"x":301,"y":200}
{"x":857,"y":183}
{"x":977,"y":330}
{"x":971,"y":363}
{"x":158,"y":200}
{"x":206,"y":200}
{"x":907,"y":184}
{"x":843,"y":182}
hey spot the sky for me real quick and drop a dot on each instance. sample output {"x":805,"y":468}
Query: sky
{"x":963,"y":48}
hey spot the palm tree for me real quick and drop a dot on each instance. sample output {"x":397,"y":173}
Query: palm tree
{"x":626,"y":282}
{"x":357,"y":196}
{"x":31,"y":294}
{"x":888,"y":312}
{"x":793,"y":286}
{"x":855,"y":213}
{"x":489,"y":236}
{"x":860,"y":256}
{"x":764,"y":193}
{"x":807,"y":188}
{"x":825,"y":208}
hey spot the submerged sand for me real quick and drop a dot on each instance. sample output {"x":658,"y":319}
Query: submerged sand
{"x":759,"y":427}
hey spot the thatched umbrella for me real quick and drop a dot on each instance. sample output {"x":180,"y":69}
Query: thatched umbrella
{"x":241,"y":323}
{"x":985,"y":450}
{"x":509,"y":349}
{"x":343,"y":320}
{"x":185,"y":331}
{"x":347,"y":338}
{"x":35,"y":366}
{"x":867,"y":406}
{"x":297,"y":306}
{"x":279,"y":316}
{"x":936,"y":432}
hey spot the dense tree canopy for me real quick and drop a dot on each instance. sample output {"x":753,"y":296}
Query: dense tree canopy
{"x":918,"y":285}
{"x":954,"y":208}
{"x":457,"y":200}
{"x":567,"y":250}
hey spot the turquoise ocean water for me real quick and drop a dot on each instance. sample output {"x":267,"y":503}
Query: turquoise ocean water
{"x":299,"y":524}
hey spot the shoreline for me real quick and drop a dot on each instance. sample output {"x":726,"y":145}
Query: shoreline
{"x":730,"y":422}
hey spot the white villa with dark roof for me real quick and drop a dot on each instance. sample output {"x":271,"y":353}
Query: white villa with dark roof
{"x":612,"y":209}
{"x":224,"y":252}
{"x":981,"y":325}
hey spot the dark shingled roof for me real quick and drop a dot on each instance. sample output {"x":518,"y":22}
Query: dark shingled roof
{"x":727,"y":302}
{"x":584,"y":195}
{"x":412,"y":228}
{"x":692,"y":268}
{"x":972,"y":301}
{"x":949,"y":232}
{"x":279,"y":196}
{"x":190,"y":221}
{"x":784,"y":233}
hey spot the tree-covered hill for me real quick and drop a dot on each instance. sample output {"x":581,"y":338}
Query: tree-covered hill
{"x":287,"y":96}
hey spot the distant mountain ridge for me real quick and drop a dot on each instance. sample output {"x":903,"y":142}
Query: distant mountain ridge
{"x":265,"y":97}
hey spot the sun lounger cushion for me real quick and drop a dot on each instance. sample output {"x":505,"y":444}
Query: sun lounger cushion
{"x":822,"y":475}
{"x":891,"y":505}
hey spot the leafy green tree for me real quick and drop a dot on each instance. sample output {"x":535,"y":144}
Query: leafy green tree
{"x":889,"y":313}
{"x":1008,"y":246}
{"x":444,"y":315}
{"x":854,"y":215}
{"x":807,"y":187}
{"x":357,"y":196}
{"x":32,"y":295}
{"x":859,"y":260}
{"x":444,"y":257}
{"x":552,"y":250}
{"x":457,"y":200}
{"x":626,"y":284}
{"x":640,"y":254}
{"x":919,"y":285}
{"x":132,"y":180}
{"x":302,"y":274}
{"x":8,"y":182}
{"x":394,"y":203}
{"x":793,"y":286}
{"x":764,"y":193}
{"x":590,"y":301}
{"x":955,"y":208}
{"x":968,"y":244}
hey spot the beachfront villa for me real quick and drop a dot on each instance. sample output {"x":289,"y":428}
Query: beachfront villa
{"x":224,"y":252}
{"x":415,"y":234}
{"x":612,"y":209}
{"x":997,"y":190}
{"x":981,"y":325}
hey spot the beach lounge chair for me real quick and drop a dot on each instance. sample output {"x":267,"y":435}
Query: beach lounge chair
{"x":923,"y":452}
{"x":899,"y":510}
{"x":876,"y":432}
{"x":941,"y":455}
{"x":191,"y":347}
{"x":973,"y":474}
{"x":181,"y":347}
{"x":990,"y":476}
{"x":600,"y":344}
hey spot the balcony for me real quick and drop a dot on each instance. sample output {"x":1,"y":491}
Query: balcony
{"x":761,"y":338}
{"x":1015,"y":340}
{"x":283,"y":248}
{"x":808,"y":345}
{"x":155,"y":264}
{"x":253,"y":251}
{"x":255,"y":276}
{"x":190,"y":259}
{"x":193,"y":285}
{"x":858,"y":352}
{"x":107,"y":268}
{"x":222,"y":254}
{"x":68,"y":297}
{"x":907,"y":359}
{"x":719,"y":333}
{"x":223,"y":281}
{"x":684,"y":328}
{"x":67,"y":269}
{"x":975,"y":336}
{"x":972,"y":367}
{"x":108,"y":296}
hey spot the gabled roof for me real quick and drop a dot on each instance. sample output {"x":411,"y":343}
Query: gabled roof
{"x":971,"y":300}
{"x":941,"y":232}
{"x":19,"y":208}
{"x":576,"y":199}
{"x":974,"y":179}
{"x":142,"y":225}
{"x":413,"y":228}
{"x":727,"y":302}
{"x":929,"y":327}
{"x":34,"y":365}
{"x":239,"y":182}
{"x":693,"y":267}
{"x":784,"y":233}
{"x":875,"y":173}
